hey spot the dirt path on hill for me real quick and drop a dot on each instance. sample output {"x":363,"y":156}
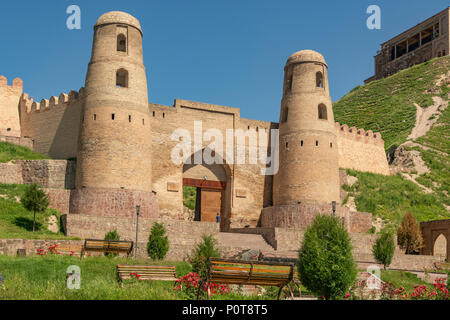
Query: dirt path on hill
{"x":426,"y":117}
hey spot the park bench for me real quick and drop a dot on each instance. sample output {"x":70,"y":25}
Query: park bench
{"x":110,"y":246}
{"x":145,"y":272}
{"x":224,"y":271}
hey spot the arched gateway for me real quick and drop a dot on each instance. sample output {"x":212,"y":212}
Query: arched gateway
{"x":212,"y":183}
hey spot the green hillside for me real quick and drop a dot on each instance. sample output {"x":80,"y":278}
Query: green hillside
{"x":10,"y":152}
{"x":387,"y":106}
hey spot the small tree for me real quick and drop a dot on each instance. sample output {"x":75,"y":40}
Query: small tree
{"x":383,"y":249}
{"x":35,"y":200}
{"x":409,"y":236}
{"x":112,"y":235}
{"x":201,"y":254}
{"x":158,"y":243}
{"x":326,"y":266}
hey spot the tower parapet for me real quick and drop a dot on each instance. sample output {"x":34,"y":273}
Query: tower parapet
{"x":9,"y":107}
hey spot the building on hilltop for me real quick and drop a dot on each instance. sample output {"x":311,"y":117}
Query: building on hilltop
{"x":124,"y":145}
{"x":427,"y":40}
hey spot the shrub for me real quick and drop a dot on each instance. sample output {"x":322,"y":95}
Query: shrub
{"x":201,"y":254}
{"x":158,"y":243}
{"x":189,"y":286}
{"x":34,"y":200}
{"x":112,"y":235}
{"x":409,"y":236}
{"x":326,"y":266}
{"x":383,"y":249}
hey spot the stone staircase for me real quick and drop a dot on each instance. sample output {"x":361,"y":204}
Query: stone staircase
{"x":242,"y":241}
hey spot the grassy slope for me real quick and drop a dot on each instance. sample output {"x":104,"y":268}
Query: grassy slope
{"x":17,"y":222}
{"x":10,"y":152}
{"x":387,"y":106}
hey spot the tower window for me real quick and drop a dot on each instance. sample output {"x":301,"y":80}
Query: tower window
{"x":289,"y":83}
{"x":113,"y":116}
{"x":319,"y":79}
{"x":287,"y":145}
{"x":95,"y":117}
{"x":322,"y":111}
{"x":9,"y":129}
{"x":331,"y":144}
{"x":122,"y":78}
{"x":301,"y":143}
{"x":129,"y":118}
{"x":164,"y":115}
{"x":121,"y":43}
{"x":143,"y":122}
{"x":153,"y":113}
{"x":317,"y":143}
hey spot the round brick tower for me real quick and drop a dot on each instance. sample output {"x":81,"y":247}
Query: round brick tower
{"x":309,"y":169}
{"x":114,"y":150}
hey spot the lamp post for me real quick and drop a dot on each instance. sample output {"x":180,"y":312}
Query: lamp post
{"x":138,"y":208}
{"x":333,"y":205}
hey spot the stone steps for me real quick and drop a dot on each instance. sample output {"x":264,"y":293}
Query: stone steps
{"x":244,"y":241}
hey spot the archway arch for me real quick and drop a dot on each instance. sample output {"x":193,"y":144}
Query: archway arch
{"x":440,"y":246}
{"x":212,"y":185}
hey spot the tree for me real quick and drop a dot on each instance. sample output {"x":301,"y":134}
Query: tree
{"x":409,"y":236}
{"x":383,"y":249}
{"x":158,"y":243}
{"x":35,"y":200}
{"x":201,"y":254}
{"x":326,"y":266}
{"x":114,"y":236}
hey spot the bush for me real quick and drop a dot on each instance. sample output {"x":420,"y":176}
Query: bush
{"x":158,"y":243}
{"x":112,"y":235}
{"x":201,"y":254}
{"x":326,"y":266}
{"x":383,"y":249}
{"x":409,"y":236}
{"x":34,"y":200}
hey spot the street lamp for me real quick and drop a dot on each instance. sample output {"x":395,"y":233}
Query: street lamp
{"x":138,"y":208}
{"x":333,"y":205}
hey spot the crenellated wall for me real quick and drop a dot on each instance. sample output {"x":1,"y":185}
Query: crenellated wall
{"x":53,"y":123}
{"x":9,"y":111}
{"x":361,"y":150}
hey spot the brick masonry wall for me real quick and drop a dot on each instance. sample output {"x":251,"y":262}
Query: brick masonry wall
{"x":300,"y":216}
{"x":361,"y":150}
{"x":24,"y":142}
{"x":58,"y":174}
{"x":183,"y":235}
{"x":10,"y":246}
{"x":110,"y":202}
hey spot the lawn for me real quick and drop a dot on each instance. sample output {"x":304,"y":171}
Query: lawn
{"x":16,"y":222}
{"x":10,"y":152}
{"x":44,"y":278}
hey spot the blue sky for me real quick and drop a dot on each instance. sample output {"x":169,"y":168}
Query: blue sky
{"x":229,"y":53}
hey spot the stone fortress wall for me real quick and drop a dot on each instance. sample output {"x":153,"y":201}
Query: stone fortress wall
{"x":9,"y":112}
{"x":101,"y":126}
{"x":52,"y":123}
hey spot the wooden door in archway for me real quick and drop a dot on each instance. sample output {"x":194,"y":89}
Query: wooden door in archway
{"x":211,"y":203}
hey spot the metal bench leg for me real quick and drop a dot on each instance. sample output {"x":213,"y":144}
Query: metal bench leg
{"x":279,"y":292}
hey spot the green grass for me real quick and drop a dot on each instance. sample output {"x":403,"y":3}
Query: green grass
{"x":10,"y":152}
{"x":390,"y":197}
{"x":189,"y":197}
{"x":387,"y":105}
{"x":44,"y":278}
{"x":16,"y":221}
{"x":403,"y":279}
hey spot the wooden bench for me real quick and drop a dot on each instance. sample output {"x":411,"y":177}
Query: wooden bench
{"x":224,"y":271}
{"x":110,"y":246}
{"x":145,"y":272}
